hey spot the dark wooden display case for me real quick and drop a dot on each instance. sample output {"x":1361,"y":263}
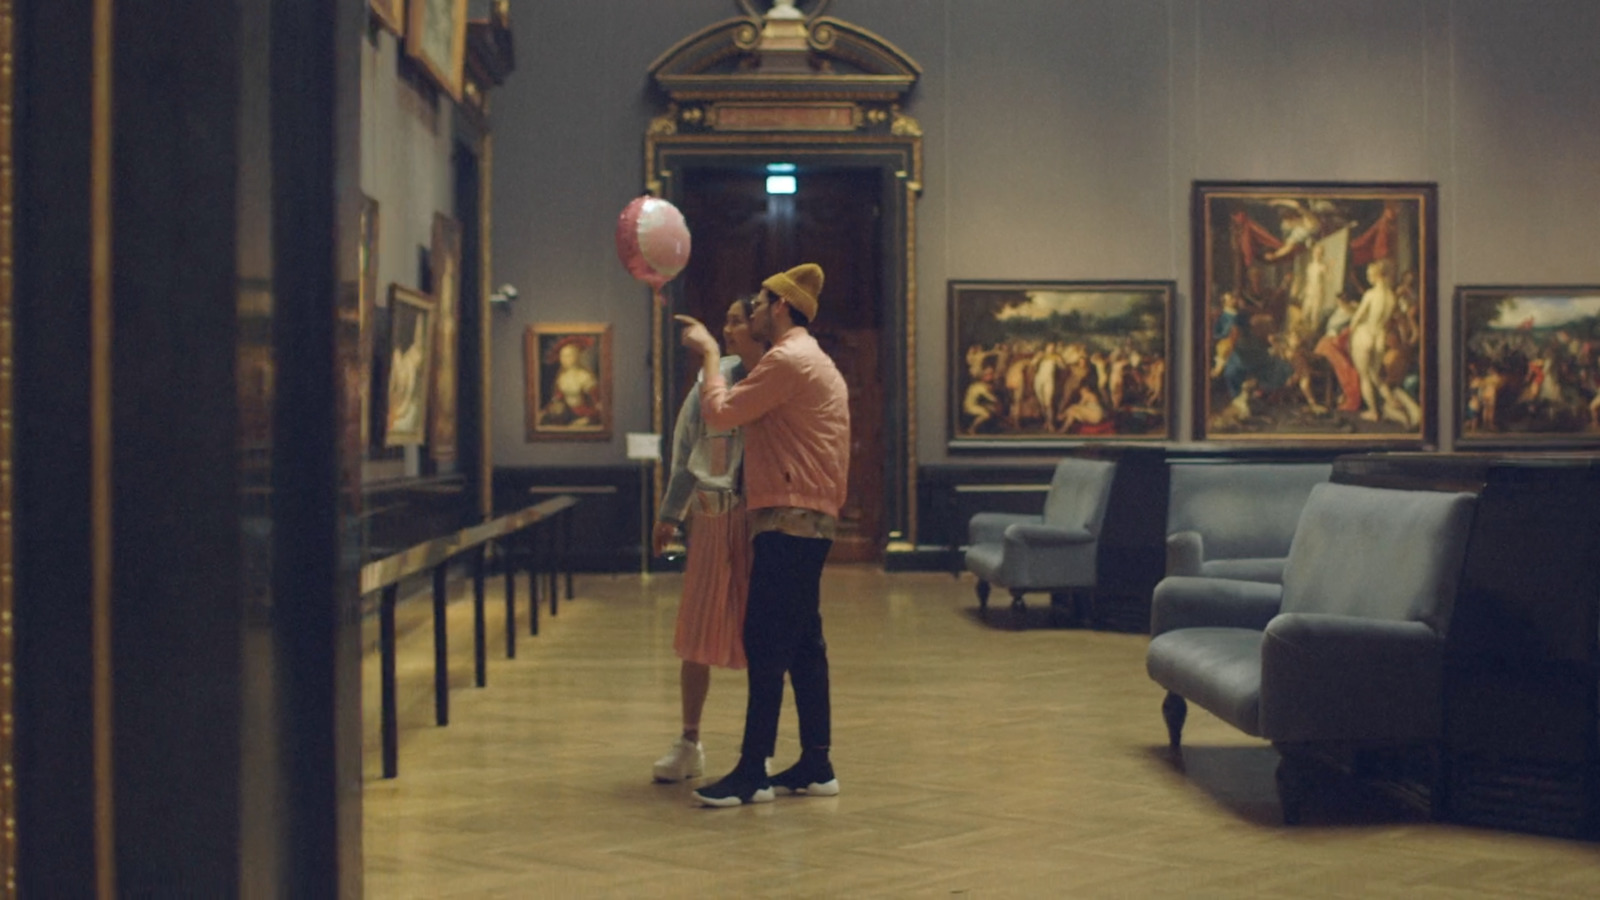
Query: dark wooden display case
{"x":1522,"y":730}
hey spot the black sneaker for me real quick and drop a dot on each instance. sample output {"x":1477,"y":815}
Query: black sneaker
{"x":811,"y":779}
{"x":736,"y":789}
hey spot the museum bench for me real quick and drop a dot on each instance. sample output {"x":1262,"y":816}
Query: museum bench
{"x":1346,"y":655}
{"x":1228,"y":519}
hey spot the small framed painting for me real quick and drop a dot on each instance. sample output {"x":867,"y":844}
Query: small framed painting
{"x":1527,"y":365}
{"x":436,"y":37}
{"x":411,"y":322}
{"x":568,"y":386}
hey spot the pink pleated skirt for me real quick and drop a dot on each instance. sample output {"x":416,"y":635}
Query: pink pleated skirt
{"x":716,"y":580}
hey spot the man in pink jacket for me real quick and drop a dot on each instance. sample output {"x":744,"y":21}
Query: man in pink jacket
{"x":795,"y":412}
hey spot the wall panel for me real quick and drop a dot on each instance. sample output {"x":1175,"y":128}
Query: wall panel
{"x":1061,"y":140}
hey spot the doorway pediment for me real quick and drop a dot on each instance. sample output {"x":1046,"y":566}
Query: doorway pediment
{"x":768,"y":57}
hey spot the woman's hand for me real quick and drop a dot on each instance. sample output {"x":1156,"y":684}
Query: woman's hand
{"x":661,"y":535}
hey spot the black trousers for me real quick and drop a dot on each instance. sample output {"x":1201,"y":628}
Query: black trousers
{"x":783,"y":634}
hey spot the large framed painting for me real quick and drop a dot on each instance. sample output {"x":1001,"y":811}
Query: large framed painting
{"x":1528,"y":365}
{"x":568,"y":387}
{"x":436,"y":37}
{"x":391,"y":14}
{"x":1314,"y":312}
{"x":445,"y":261}
{"x":411,"y":318}
{"x":1059,"y":362}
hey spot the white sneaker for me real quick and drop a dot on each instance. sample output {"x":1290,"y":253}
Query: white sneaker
{"x":686,"y":759}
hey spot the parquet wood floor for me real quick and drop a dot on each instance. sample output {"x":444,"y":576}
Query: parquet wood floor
{"x":976,"y":760}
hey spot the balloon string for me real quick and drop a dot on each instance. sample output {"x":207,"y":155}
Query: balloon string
{"x":656,"y":292}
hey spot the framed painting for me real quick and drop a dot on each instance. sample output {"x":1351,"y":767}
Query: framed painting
{"x":1314,"y":312}
{"x":568,"y":386}
{"x":391,"y":14}
{"x":256,"y":367}
{"x":367,"y":269}
{"x":1036,"y":363}
{"x":445,"y":261}
{"x":1527,"y":365}
{"x":436,"y":37}
{"x":411,"y":322}
{"x":256,"y":379}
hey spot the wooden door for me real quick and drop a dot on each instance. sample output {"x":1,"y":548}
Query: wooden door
{"x":741,"y":235}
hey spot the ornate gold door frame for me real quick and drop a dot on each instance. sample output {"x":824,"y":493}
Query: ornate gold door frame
{"x":490,"y":60}
{"x":805,"y":89}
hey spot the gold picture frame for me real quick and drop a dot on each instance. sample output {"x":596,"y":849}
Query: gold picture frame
{"x":391,"y":14}
{"x":436,"y":37}
{"x":568,"y":382}
{"x":411,"y":318}
{"x":1037,"y":364}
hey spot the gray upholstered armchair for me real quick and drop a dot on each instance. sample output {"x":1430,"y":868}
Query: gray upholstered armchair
{"x":1347,"y":652}
{"x":1053,"y":552}
{"x":1235,"y":520}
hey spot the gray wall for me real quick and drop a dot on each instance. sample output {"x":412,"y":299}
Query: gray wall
{"x":405,"y":166}
{"x":1062,"y":137}
{"x":405,"y":162}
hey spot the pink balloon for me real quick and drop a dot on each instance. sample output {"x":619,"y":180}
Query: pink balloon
{"x":652,"y":241}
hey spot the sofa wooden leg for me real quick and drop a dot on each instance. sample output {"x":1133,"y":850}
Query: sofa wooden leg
{"x":983,"y":596}
{"x":1017,"y":603}
{"x":1175,"y":709}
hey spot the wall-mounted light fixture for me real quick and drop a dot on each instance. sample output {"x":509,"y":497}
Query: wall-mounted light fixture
{"x":504,"y":297}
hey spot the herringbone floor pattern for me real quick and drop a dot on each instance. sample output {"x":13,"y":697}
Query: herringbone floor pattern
{"x":975,"y":760}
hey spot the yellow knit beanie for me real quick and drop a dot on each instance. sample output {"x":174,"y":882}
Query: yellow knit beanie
{"x":800,"y":286}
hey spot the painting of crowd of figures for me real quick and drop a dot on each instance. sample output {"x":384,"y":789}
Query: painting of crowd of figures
{"x":1528,"y":365}
{"x":1059,"y":362}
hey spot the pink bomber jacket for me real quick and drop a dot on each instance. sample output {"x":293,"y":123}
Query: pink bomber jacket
{"x":795,"y":411}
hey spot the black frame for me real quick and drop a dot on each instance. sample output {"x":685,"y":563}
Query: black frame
{"x":1352,"y":203}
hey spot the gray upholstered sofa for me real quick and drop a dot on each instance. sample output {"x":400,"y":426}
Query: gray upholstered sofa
{"x":1052,"y":552}
{"x":1347,"y":651}
{"x":1235,"y":520}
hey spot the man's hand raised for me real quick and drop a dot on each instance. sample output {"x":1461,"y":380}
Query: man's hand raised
{"x":697,"y":337}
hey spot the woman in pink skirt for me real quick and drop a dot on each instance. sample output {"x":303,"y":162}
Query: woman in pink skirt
{"x":705,"y":483}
